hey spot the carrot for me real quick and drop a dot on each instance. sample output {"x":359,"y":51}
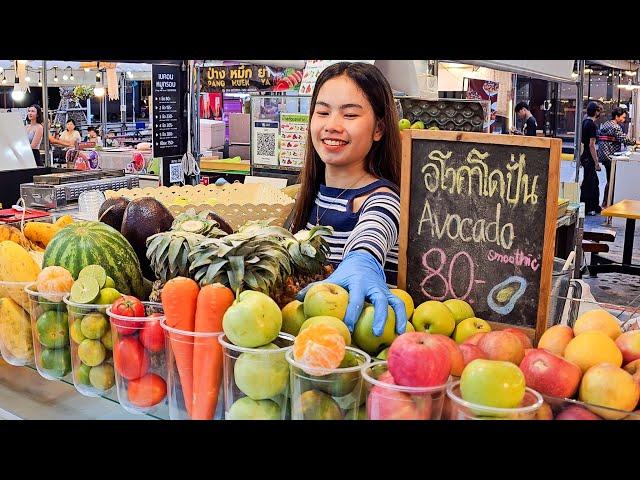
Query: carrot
{"x":179,"y":300}
{"x":213,"y":301}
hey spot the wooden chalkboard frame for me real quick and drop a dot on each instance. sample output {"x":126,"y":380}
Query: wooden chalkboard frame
{"x":554,"y":145}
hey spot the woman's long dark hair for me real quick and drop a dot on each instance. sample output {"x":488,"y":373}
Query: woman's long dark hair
{"x":39,"y":117}
{"x":384,"y":158}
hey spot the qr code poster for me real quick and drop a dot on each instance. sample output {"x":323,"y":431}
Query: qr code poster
{"x":265,"y":143}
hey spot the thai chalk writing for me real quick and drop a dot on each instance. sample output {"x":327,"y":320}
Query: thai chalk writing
{"x":518,"y":259}
{"x":513,"y":186}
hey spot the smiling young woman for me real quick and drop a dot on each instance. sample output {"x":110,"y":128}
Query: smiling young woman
{"x":350,"y":181}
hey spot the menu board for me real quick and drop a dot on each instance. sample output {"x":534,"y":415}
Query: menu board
{"x":478,"y":222}
{"x":293,"y":137}
{"x":167,"y":109}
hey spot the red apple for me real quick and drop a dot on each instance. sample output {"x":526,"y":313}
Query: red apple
{"x":524,"y":338}
{"x":417,"y":359}
{"x":475,"y":338}
{"x":470,"y":352}
{"x":550,"y":374}
{"x":503,"y":346}
{"x":576,"y":412}
{"x":457,"y":360}
{"x":545,"y":412}
{"x":389,"y":404}
{"x":629,"y":345}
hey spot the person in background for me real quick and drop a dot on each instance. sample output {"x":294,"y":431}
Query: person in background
{"x":92,"y":136}
{"x":35,"y":131}
{"x":590,"y":187}
{"x":350,"y":181}
{"x":69,"y":137}
{"x":110,"y":140}
{"x":530,"y":125}
{"x":611,"y":138}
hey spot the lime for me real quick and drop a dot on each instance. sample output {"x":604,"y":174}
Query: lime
{"x":94,"y":325}
{"x":102,"y":377}
{"x":91,"y":352}
{"x":109,"y":283}
{"x":56,"y":361}
{"x":107,"y":296}
{"x":76,"y":331}
{"x":107,"y":340}
{"x":84,"y":290}
{"x":82,"y":374}
{"x":53,"y":329}
{"x":97,"y":272}
{"x":404,"y":124}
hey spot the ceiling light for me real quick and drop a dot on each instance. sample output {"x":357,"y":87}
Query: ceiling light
{"x":98,"y":91}
{"x":130,"y":74}
{"x":71,"y":76}
{"x":65,"y":77}
{"x":39,"y":80}
{"x":55,"y":74}
{"x":17,"y":94}
{"x":27,"y":78}
{"x":86,"y":69}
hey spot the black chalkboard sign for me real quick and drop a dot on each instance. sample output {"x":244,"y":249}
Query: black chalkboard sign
{"x":478,"y":222}
{"x":166,"y":90}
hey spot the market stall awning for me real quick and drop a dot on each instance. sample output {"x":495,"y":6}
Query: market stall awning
{"x":554,"y":70}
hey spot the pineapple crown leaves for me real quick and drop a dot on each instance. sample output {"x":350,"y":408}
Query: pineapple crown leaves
{"x":168,"y":253}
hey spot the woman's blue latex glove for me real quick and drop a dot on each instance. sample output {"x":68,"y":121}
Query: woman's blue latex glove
{"x":363,"y":277}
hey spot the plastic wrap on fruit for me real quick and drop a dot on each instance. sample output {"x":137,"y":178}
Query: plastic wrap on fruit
{"x":138,"y":161}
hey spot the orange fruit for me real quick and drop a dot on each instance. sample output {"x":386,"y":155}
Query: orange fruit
{"x":320,"y":346}
{"x":54,"y":280}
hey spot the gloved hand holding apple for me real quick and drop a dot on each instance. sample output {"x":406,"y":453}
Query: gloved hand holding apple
{"x":363,"y":277}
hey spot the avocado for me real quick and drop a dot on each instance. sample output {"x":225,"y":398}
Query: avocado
{"x":503,"y":297}
{"x":144,"y":217}
{"x":113,"y":216}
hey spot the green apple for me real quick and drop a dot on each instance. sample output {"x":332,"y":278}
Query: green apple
{"x":403,"y":124}
{"x":293,"y":317}
{"x":326,"y":299}
{"x":261,"y":375}
{"x":246,"y":408}
{"x":419,"y":125}
{"x":338,"y":384}
{"x":383,"y":354}
{"x":468,"y":327}
{"x":253,"y":320}
{"x":363,"y":335}
{"x":331,"y":321}
{"x":109,"y":283}
{"x":434,"y":317}
{"x":492,"y":383}
{"x":107,"y":296}
{"x":461,"y":310}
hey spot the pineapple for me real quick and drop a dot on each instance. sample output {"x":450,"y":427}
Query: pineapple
{"x":198,"y":223}
{"x":265,"y":258}
{"x":168,"y":253}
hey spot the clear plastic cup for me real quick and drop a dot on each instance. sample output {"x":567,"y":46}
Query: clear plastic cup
{"x":91,"y":348}
{"x":50,"y":333}
{"x":182,"y":387}
{"x":16,"y":341}
{"x":256,"y":380}
{"x":89,"y":203}
{"x":460,"y":409}
{"x":140,"y":359}
{"x":328,"y":394}
{"x":387,"y":401}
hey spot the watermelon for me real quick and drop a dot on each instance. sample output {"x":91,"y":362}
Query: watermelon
{"x":95,"y":243}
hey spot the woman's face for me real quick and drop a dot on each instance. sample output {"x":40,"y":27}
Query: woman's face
{"x":343,"y":126}
{"x":32,"y":113}
{"x":92,"y":134}
{"x":70,"y":127}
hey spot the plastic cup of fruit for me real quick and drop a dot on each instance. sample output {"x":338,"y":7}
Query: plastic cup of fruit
{"x":387,"y":401}
{"x":328,"y":394}
{"x":459,"y":409}
{"x":256,"y":380}
{"x":139,"y":359}
{"x":91,"y":348}
{"x":16,"y":341}
{"x":50,"y":333}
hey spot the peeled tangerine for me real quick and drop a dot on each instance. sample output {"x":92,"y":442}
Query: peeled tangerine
{"x":320,"y":346}
{"x":609,"y":386}
{"x":592,"y":347}
{"x":54,"y":280}
{"x":600,"y":320}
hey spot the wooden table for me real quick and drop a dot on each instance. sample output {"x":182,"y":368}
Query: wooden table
{"x":629,"y":209}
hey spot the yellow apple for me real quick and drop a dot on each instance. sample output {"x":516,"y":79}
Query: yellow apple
{"x":406,"y":298}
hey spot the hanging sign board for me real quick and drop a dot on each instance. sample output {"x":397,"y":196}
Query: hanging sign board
{"x":166,"y":86}
{"x":478,"y":222}
{"x":248,"y":77}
